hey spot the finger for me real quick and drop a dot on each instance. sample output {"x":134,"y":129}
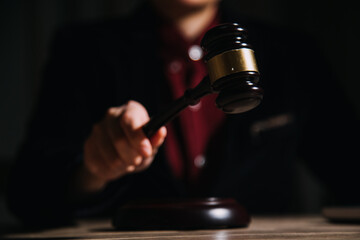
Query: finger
{"x":158,"y":138}
{"x":146,"y":162}
{"x":127,"y":153}
{"x":131,"y":121}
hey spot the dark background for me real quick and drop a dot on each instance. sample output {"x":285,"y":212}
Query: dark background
{"x":26,"y":27}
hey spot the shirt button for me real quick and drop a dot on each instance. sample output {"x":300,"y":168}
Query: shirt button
{"x":195,"y":53}
{"x":196,"y":107}
{"x":175,"y":67}
{"x":200,"y":161}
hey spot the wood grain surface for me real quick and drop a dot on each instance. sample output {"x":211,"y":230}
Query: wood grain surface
{"x":285,"y":227}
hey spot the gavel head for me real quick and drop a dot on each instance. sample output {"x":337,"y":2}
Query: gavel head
{"x":232,"y":68}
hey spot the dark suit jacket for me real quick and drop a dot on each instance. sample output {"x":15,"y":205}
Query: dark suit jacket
{"x":95,"y":66}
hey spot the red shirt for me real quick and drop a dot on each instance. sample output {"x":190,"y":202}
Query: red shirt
{"x":183,"y":69}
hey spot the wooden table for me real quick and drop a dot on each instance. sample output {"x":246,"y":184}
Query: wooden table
{"x":300,"y":227}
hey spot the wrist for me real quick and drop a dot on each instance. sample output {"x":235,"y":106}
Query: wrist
{"x":88,"y":182}
{"x":84,"y":185}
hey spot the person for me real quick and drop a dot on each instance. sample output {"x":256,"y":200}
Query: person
{"x":86,"y":154}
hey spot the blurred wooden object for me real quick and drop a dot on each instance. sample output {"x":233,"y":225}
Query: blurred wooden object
{"x":208,"y":213}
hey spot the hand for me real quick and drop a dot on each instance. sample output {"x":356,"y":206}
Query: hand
{"x":117,"y":146}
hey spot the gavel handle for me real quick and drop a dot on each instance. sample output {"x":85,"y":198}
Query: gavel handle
{"x":191,"y":97}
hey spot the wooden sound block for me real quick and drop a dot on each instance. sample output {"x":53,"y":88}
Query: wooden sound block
{"x":208,"y":213}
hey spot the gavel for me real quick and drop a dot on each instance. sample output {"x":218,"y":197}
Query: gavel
{"x":232,"y":73}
